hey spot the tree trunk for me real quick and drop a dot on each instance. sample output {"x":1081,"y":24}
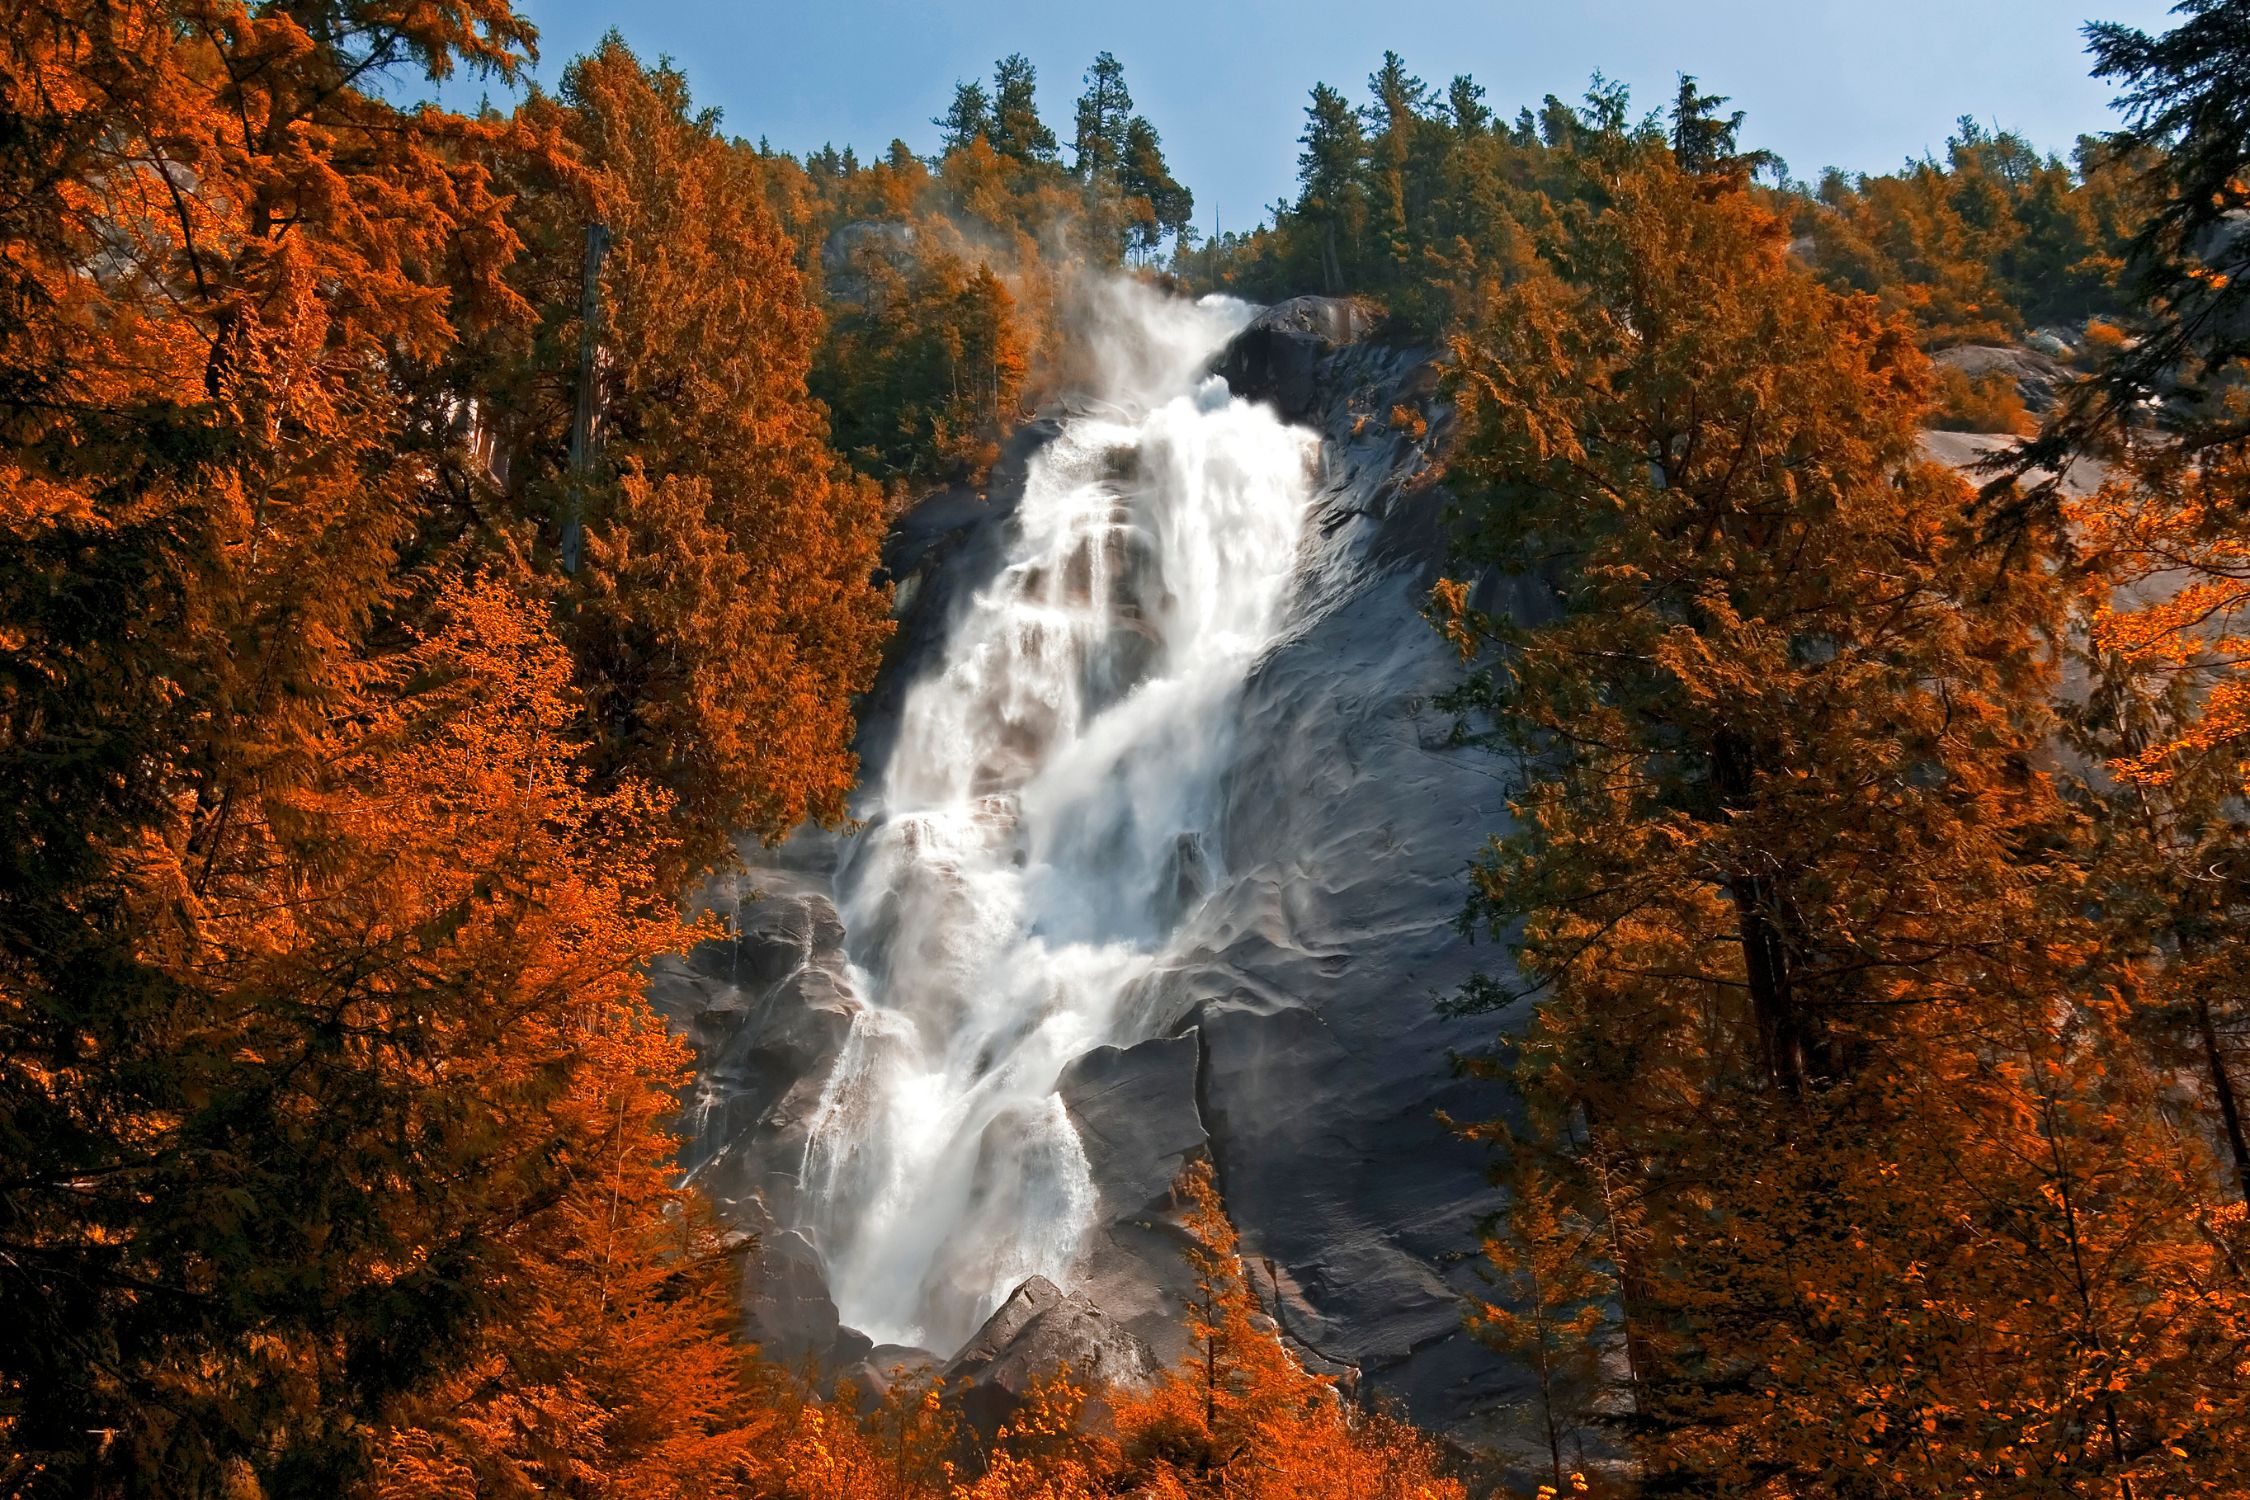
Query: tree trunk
{"x":1765,"y":952}
{"x":2222,"y":1089}
{"x":582,"y":421}
{"x":1773,"y":1003}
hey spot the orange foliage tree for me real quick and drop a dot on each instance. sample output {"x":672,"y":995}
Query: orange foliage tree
{"x":337,"y":825}
{"x":1240,"y":1417}
{"x":724,"y":614}
{"x":1824,"y":1041}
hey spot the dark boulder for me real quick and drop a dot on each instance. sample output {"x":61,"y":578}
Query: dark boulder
{"x":1042,"y":1331}
{"x":1278,"y":358}
{"x":787,"y":1311}
{"x":1139,"y":1122}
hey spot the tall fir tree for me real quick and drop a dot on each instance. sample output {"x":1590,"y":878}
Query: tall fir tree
{"x":968,"y":118}
{"x":1103,"y":113}
{"x":1332,"y":198}
{"x":1017,"y":130}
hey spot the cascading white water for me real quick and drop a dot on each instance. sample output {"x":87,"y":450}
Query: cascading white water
{"x":1045,"y":820}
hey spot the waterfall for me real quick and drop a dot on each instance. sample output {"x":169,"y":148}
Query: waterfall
{"x":1045,"y":821}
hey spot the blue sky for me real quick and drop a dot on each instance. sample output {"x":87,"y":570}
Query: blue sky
{"x":1860,"y":85}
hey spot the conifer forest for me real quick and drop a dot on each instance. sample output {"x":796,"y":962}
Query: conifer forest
{"x":683,"y":820}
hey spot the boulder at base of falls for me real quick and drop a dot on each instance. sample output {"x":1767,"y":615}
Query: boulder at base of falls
{"x":872,"y":1376}
{"x":1138,"y":1120}
{"x":786,"y":1307}
{"x":1277,"y":359}
{"x":1039,"y":1331}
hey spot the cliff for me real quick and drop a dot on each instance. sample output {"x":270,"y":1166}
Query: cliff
{"x":1297,"y":1038}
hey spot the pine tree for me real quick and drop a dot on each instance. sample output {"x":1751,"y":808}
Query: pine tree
{"x":968,"y":118}
{"x":1395,"y":117}
{"x":729,"y":550}
{"x":2186,"y":96}
{"x":2170,"y":722}
{"x":1240,"y":1419}
{"x":243,"y":936}
{"x":330,"y":875}
{"x":1017,"y":130}
{"x":1548,"y":1264}
{"x":1465,"y":106}
{"x":1331,"y":200}
{"x":1814,"y":995}
{"x":1703,"y":566}
{"x":1703,"y":140}
{"x":1156,"y":202}
{"x":1102,"y":115}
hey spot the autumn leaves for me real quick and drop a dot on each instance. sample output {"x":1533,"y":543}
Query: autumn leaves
{"x":1853,"y":1164}
{"x":340,"y":820}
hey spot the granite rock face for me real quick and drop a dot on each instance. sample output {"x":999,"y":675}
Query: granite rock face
{"x":1296,"y":1039}
{"x":766,"y":1013}
{"x":1311,"y":988}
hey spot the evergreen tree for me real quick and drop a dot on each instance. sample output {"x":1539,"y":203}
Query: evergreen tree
{"x":1553,"y":1286}
{"x":729,"y":547}
{"x":1395,"y":117}
{"x":1703,"y":140}
{"x":1017,"y":131}
{"x":2186,"y":98}
{"x":1157,"y":204}
{"x":1465,"y":106}
{"x":1238,"y":1416}
{"x":968,"y":118}
{"x":1331,"y":200}
{"x":341,"y":830}
{"x":2168,"y":718}
{"x":1103,"y":116}
{"x":1821,"y":1026}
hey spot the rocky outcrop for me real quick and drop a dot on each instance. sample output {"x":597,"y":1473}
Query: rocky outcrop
{"x":1140,"y":1121}
{"x":766,"y":1012}
{"x":2038,"y":376}
{"x":1971,"y":451}
{"x":1323,"y":1060}
{"x":1281,"y":357}
{"x":1041,"y":1332}
{"x":874,"y":1374}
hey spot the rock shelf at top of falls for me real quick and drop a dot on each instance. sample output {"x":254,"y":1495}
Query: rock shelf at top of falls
{"x":1160,"y":855}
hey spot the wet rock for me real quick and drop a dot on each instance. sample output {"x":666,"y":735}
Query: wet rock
{"x":1139,"y":1122}
{"x":1039,"y":1332}
{"x":1296,"y":1036}
{"x":767,"y":1010}
{"x":1278,"y":358}
{"x":1137,"y":1118}
{"x":787,"y":1310}
{"x":1189,"y":882}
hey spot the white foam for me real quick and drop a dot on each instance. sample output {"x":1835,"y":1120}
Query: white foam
{"x":1021,"y":861}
